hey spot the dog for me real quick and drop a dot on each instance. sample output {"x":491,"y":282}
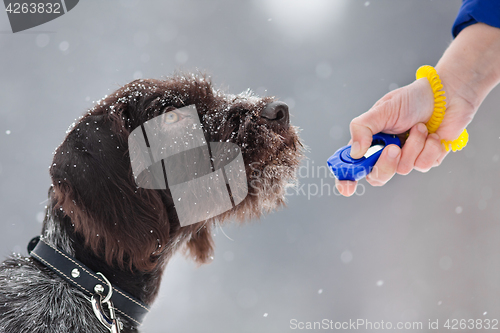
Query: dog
{"x":97,"y":215}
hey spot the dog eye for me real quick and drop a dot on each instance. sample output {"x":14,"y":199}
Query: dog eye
{"x":171,"y":117}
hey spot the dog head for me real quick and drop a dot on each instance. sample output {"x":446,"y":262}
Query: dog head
{"x":93,"y":182}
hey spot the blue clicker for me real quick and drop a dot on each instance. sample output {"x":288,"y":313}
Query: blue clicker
{"x":344,"y":167}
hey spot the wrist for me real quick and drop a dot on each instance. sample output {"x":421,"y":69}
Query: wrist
{"x":470,"y":67}
{"x":459,"y":86}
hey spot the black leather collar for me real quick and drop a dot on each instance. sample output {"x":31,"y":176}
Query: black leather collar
{"x":85,"y":279}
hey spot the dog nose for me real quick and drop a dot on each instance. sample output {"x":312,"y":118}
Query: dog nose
{"x":276,"y":113}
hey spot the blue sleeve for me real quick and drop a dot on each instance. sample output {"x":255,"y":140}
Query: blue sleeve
{"x":474,"y":11}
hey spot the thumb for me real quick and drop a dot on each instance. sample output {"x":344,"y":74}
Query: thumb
{"x":364,"y":127}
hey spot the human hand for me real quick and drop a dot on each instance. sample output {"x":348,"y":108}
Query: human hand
{"x":407,"y":108}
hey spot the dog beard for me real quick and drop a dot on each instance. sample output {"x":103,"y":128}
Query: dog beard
{"x":271,"y":154}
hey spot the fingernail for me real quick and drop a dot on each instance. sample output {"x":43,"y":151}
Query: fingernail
{"x":393,"y":152}
{"x":355,"y":148}
{"x":434,"y":136}
{"x":422,"y":128}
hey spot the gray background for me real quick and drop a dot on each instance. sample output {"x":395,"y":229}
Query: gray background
{"x":423,"y":247}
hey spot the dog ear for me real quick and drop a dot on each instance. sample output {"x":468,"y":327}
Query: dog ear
{"x":93,"y":185}
{"x":200,"y":246}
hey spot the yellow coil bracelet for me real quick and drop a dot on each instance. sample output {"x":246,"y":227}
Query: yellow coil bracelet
{"x":439,"y":108}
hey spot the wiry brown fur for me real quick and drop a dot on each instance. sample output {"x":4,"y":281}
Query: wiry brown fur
{"x":98,"y":214}
{"x":100,"y":194}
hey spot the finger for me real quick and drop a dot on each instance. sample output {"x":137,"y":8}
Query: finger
{"x":385,"y":167}
{"x":364,"y":127}
{"x":430,"y":154}
{"x":412,"y":148}
{"x":361,"y":139}
{"x":441,"y":157}
{"x":346,"y":187}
